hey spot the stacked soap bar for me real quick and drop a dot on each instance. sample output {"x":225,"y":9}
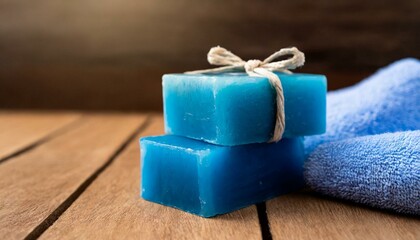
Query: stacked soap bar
{"x":215,"y":158}
{"x":207,"y":179}
{"x":234,"y":108}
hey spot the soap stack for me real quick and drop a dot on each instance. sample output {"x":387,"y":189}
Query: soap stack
{"x":216,"y":157}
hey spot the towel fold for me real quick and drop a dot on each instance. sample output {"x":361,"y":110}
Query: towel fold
{"x":380,"y":170}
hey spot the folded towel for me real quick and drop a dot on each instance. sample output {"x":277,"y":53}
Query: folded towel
{"x":388,"y":101}
{"x":380,"y":170}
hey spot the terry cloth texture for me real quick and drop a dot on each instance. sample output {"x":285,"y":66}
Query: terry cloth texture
{"x":381,"y":170}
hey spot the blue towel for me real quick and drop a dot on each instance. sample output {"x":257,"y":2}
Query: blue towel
{"x":380,"y":170}
{"x":388,"y":101}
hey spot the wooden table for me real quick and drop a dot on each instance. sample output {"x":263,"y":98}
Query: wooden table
{"x":74,"y":175}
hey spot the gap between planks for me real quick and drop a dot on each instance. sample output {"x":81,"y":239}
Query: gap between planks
{"x":21,"y":132}
{"x":264,"y":223}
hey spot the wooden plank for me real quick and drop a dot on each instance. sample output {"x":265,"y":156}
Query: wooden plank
{"x":18,"y":130}
{"x":37,"y":183}
{"x":112,"y":209}
{"x":305,"y":215}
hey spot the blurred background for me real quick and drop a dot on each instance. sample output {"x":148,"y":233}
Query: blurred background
{"x":110,"y":55}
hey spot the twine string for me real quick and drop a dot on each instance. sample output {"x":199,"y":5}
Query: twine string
{"x":230,"y":62}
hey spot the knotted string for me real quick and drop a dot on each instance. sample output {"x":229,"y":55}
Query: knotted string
{"x":230,"y":62}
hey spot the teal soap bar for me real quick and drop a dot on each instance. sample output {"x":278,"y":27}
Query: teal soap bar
{"x":234,"y":108}
{"x":208,"y":180}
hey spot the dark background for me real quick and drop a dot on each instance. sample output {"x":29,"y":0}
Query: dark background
{"x":110,"y":55}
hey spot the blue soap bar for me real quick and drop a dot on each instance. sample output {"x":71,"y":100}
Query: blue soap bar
{"x":234,"y":108}
{"x":207,"y":179}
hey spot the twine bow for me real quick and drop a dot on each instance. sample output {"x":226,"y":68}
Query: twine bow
{"x":230,"y":62}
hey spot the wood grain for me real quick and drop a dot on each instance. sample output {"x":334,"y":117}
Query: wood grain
{"x":18,"y":130}
{"x":99,"y":54}
{"x":305,"y":215}
{"x":34,"y":184}
{"x":112,"y":209}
